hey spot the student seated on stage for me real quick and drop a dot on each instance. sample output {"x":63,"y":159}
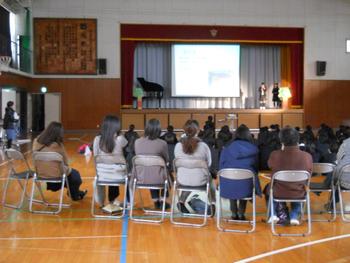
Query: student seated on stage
{"x":109,"y":141}
{"x":151,"y":144}
{"x":290,"y":157}
{"x":243,"y":154}
{"x":51,"y":140}
{"x":190,"y":146}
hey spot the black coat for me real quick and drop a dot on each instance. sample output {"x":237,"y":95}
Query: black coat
{"x":9,"y":119}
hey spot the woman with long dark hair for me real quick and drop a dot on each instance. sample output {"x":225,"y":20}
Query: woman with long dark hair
{"x":151,"y":144}
{"x":108,"y":144}
{"x":242,"y":154}
{"x":190,"y":146}
{"x":51,"y":140}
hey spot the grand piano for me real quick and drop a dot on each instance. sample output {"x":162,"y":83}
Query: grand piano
{"x":151,"y":90}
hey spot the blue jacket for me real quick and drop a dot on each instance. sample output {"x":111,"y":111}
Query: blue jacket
{"x":240,"y":154}
{"x":244,"y":155}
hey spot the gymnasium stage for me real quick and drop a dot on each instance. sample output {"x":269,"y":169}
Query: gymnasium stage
{"x":253,"y":118}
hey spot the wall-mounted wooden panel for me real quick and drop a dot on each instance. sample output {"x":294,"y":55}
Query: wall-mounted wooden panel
{"x":162,"y":117}
{"x":65,"y":46}
{"x":221,"y":120}
{"x":293,"y":120}
{"x":85,"y":101}
{"x":178,"y":119}
{"x":13,"y":80}
{"x":137,"y":119}
{"x":267,"y":119}
{"x":201,"y":118}
{"x":249,"y":119}
{"x":326,"y":101}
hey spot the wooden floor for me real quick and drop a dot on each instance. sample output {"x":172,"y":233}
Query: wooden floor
{"x":75,"y":236}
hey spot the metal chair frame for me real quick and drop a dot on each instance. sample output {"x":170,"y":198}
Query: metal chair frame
{"x":119,"y":160}
{"x":319,"y":169}
{"x":152,"y":160}
{"x":189,"y":163}
{"x":49,"y":157}
{"x":291,"y":176}
{"x":236,"y":174}
{"x":345,"y":169}
{"x":11,"y":156}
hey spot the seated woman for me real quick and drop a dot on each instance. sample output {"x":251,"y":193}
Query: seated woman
{"x":190,"y":146}
{"x":109,"y":142}
{"x":342,"y":159}
{"x":243,"y":154}
{"x":51,"y":140}
{"x":290,"y":157}
{"x":151,"y":144}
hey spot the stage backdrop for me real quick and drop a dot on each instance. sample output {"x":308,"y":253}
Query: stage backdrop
{"x":258,"y":63}
{"x":292,"y":39}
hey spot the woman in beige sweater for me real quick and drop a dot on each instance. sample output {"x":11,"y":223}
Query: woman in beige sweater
{"x":51,"y":140}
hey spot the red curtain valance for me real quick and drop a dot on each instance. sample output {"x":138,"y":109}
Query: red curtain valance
{"x":131,"y":34}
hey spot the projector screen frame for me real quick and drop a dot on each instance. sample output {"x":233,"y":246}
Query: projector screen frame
{"x":238,"y":75}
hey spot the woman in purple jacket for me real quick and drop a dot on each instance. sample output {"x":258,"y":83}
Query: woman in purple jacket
{"x":243,"y":154}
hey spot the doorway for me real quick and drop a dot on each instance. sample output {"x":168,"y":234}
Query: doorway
{"x":45,"y":108}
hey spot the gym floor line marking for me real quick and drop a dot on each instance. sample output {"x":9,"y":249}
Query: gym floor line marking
{"x":111,"y":251}
{"x":282,"y":250}
{"x":10,"y":220}
{"x":124,"y":240}
{"x":56,"y":238}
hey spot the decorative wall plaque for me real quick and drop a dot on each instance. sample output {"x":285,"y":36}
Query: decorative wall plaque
{"x":65,"y":46}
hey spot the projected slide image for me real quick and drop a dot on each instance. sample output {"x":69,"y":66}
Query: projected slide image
{"x":205,"y":70}
{"x":220,"y":79}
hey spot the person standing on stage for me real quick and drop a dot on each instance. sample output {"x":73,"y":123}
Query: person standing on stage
{"x":275,"y":98}
{"x":262,"y":95}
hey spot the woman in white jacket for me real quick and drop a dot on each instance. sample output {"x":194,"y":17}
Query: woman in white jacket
{"x":190,"y":146}
{"x":108,"y":144}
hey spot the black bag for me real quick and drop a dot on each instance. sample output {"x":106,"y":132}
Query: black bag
{"x":198,"y":205}
{"x":282,"y":213}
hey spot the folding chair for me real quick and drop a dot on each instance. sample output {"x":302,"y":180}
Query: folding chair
{"x":191,"y":163}
{"x":158,"y":182}
{"x":111,"y":170}
{"x":341,"y":191}
{"x":236,"y":184}
{"x":291,"y":177}
{"x":318,"y":169}
{"x":16,"y":162}
{"x":57,"y":159}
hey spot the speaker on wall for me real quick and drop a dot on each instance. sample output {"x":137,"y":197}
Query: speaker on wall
{"x":102,"y":66}
{"x":321,"y":68}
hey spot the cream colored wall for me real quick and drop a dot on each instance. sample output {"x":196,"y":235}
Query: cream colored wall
{"x":327,"y":23}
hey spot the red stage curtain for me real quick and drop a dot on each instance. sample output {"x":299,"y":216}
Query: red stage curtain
{"x":285,"y":66}
{"x":127,"y":71}
{"x":297,"y":73}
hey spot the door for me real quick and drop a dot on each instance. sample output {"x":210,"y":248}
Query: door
{"x":46,"y":107}
{"x":38,"y":112}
